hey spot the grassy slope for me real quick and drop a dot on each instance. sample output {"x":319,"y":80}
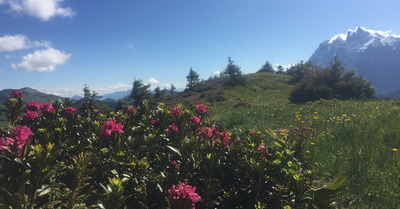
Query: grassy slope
{"x":352,"y":138}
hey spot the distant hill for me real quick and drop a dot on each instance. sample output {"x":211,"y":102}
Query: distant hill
{"x":28,"y":95}
{"x":116,"y":95}
{"x":373,"y":54}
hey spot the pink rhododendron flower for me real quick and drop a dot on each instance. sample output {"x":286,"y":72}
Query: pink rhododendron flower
{"x":225,"y":138}
{"x":201,"y":109}
{"x":21,"y":135}
{"x":16,"y":93}
{"x":5,"y":142}
{"x":70,"y":110}
{"x":47,"y":108}
{"x":252,"y":132}
{"x":182,"y":196}
{"x":32,"y":105}
{"x":30,"y":116}
{"x":206,"y":132}
{"x":176,"y":111}
{"x":132,"y":109}
{"x":173,"y":166}
{"x":109,"y":128}
{"x":172,"y":128}
{"x":194,"y":120}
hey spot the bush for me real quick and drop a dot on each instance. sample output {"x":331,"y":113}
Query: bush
{"x":150,"y":158}
{"x":330,"y":83}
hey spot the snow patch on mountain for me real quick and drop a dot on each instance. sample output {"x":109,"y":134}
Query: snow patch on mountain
{"x":374,"y":54}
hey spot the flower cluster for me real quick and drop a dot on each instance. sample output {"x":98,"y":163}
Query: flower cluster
{"x":30,"y":116}
{"x":16,"y":94}
{"x":47,"y":108}
{"x":109,"y":128}
{"x":32,"y":105}
{"x":70,"y":110}
{"x":215,"y":135}
{"x":20,"y":135}
{"x":132,"y":109}
{"x":201,"y":109}
{"x":5,"y":142}
{"x":176,"y":111}
{"x":194,"y":121}
{"x":172,"y":129}
{"x":183,"y":196}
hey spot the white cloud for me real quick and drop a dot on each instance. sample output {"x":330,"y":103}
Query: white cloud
{"x":45,"y":60}
{"x":42,"y":9}
{"x":153,"y":81}
{"x":13,"y":42}
{"x":284,"y":66}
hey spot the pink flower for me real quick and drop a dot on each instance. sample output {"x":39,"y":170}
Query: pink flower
{"x":194,"y":120}
{"x":132,"y":109}
{"x":225,"y":138}
{"x":70,"y":110}
{"x":172,"y":128}
{"x":252,"y":132}
{"x":182,"y":196}
{"x":109,"y":128}
{"x":206,"y":132}
{"x":201,"y":109}
{"x":21,"y":135}
{"x":47,"y":108}
{"x":5,"y":142}
{"x":32,"y":105}
{"x":30,"y":116}
{"x":263,"y":152}
{"x":176,"y":111}
{"x":16,"y":93}
{"x":173,"y":166}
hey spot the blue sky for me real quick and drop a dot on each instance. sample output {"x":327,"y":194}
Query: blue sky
{"x":57,"y":46}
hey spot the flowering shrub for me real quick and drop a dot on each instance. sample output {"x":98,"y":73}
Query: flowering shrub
{"x":30,"y":116}
{"x":93,"y":161}
{"x":32,"y":105}
{"x":47,"y":108}
{"x":110,"y":128}
{"x":201,"y":109}
{"x":70,"y":110}
{"x":182,"y":196}
{"x":176,"y":111}
{"x":16,"y":93}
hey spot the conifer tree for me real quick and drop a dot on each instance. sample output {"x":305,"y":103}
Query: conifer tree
{"x":234,"y":73}
{"x":140,"y":92}
{"x":192,"y":79}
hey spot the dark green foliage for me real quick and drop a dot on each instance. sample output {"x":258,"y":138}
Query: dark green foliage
{"x":89,"y":101}
{"x":235,"y":74}
{"x":329,"y":83}
{"x":140,"y":92}
{"x":266,"y":68}
{"x":299,"y":70}
{"x":192,"y":79}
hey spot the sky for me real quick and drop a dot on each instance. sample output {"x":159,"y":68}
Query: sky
{"x":58,"y":46}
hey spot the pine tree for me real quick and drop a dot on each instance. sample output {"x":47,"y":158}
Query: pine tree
{"x":267,"y":67}
{"x":192,"y":79}
{"x":140,"y":92}
{"x":234,"y":73}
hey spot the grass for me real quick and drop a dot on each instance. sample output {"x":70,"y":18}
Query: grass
{"x":356,"y":139}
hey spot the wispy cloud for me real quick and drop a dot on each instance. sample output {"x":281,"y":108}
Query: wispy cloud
{"x":42,"y":9}
{"x":45,"y":60}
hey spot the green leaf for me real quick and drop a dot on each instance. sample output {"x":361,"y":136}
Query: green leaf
{"x":174,"y":150}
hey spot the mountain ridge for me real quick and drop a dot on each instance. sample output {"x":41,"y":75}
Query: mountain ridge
{"x":372,"y":54}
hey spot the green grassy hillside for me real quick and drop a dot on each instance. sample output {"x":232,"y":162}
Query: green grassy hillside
{"x":356,"y":139}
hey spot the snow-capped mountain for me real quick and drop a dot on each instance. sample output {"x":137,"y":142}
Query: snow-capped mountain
{"x":373,"y":54}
